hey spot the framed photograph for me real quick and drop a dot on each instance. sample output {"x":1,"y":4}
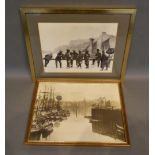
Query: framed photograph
{"x":74,"y":42}
{"x":77,"y":112}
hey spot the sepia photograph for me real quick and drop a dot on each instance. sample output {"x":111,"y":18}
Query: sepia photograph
{"x":78,"y":47}
{"x":77,"y":112}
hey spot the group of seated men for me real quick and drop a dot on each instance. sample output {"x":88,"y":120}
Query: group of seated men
{"x":102,"y":58}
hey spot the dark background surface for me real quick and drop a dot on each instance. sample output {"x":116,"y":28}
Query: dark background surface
{"x":19,"y":86}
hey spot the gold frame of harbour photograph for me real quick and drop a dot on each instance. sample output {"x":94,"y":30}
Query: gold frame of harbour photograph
{"x":77,"y":112}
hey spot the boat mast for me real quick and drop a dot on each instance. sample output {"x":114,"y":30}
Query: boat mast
{"x":50,"y":99}
{"x":53,"y":101}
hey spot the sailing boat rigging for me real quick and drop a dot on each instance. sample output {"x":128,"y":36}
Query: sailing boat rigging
{"x":47,"y":112}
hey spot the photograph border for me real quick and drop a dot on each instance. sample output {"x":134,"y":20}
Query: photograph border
{"x":78,"y":80}
{"x":72,"y":10}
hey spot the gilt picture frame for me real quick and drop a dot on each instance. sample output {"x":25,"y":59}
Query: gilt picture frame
{"x":73,"y":117}
{"x":78,"y":42}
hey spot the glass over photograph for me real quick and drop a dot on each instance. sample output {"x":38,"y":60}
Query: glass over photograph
{"x":77,"y":112}
{"x":78,"y":47}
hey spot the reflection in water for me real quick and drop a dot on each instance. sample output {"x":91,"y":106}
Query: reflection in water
{"x":107,"y":121}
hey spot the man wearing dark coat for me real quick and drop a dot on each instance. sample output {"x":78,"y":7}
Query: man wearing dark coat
{"x":86,"y":58}
{"x":98,"y":57}
{"x":68,"y":58}
{"x":47,"y":58}
{"x":79,"y":59}
{"x":75,"y":54}
{"x":72,"y":58}
{"x":58,"y":59}
{"x":104,"y":59}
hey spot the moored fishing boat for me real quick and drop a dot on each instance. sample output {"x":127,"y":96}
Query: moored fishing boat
{"x":48,"y":113}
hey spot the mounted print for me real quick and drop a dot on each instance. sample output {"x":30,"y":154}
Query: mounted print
{"x":78,"y":47}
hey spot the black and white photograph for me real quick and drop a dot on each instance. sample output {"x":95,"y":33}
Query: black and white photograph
{"x":77,"y":112}
{"x":77,"y":47}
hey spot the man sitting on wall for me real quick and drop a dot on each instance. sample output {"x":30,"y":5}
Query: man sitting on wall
{"x":58,"y":59}
{"x":86,"y":58}
{"x":79,"y":59}
{"x":47,"y":58}
{"x":68,"y":58}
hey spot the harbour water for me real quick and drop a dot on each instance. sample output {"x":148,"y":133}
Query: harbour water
{"x":76,"y":129}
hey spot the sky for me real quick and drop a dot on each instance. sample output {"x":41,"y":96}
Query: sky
{"x":87,"y":91}
{"x":53,"y":35}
